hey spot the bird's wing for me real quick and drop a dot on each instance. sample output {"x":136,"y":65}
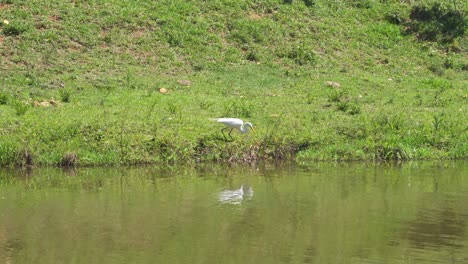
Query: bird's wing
{"x":232,"y":122}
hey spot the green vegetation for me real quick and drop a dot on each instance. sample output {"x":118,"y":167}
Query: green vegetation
{"x":323,"y":80}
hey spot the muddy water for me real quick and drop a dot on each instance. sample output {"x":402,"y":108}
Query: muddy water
{"x":301,"y":213}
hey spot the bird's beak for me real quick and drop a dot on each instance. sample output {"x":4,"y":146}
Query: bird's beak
{"x":253,"y":130}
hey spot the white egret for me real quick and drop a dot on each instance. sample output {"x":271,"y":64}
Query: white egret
{"x":234,"y":123}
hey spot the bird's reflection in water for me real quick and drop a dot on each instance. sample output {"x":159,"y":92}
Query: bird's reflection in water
{"x":236,"y":196}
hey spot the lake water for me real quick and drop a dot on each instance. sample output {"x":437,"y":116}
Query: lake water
{"x":295,"y":213}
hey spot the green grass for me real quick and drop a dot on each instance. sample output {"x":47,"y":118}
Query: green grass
{"x":101,"y":65}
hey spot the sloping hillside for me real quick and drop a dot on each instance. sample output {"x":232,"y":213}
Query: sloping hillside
{"x":327,"y":80}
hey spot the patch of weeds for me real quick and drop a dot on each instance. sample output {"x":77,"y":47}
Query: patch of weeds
{"x":24,"y":157}
{"x":437,"y":69}
{"x":349,"y":107}
{"x":14,"y":29}
{"x":70,"y":159}
{"x":354,"y":131}
{"x":353,"y":109}
{"x":173,"y":108}
{"x":239,"y":108}
{"x":391,"y":152}
{"x":246,"y":32}
{"x":335,"y":96}
{"x":388,"y":122}
{"x":20,"y":107}
{"x":167,"y":150}
{"x":253,"y":55}
{"x":205,"y":104}
{"x":437,"y":83}
{"x":363,"y":4}
{"x":153,"y":106}
{"x":437,"y":123}
{"x":7,"y":153}
{"x":441,"y":86}
{"x":130,"y":81}
{"x":390,"y":101}
{"x":442,"y":130}
{"x":448,"y":63}
{"x":65,"y":94}
{"x":232,"y":55}
{"x":302,"y":55}
{"x":395,"y":18}
{"x":342,"y":106}
{"x":206,"y":149}
{"x":439,"y":100}
{"x":418,"y":99}
{"x":311,"y":98}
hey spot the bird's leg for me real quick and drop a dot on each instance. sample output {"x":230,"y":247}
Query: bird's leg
{"x":222,"y":132}
{"x":230,"y":131}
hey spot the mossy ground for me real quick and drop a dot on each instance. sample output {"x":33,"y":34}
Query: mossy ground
{"x":80,"y":82}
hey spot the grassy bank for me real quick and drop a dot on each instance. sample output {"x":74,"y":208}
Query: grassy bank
{"x":81,"y":80}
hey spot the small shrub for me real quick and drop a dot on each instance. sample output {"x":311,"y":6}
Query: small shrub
{"x":437,"y":23}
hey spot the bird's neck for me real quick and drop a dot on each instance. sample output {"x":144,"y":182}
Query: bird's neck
{"x":243,"y":129}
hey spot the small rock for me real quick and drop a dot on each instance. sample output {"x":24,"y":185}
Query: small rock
{"x":184,"y":82}
{"x":162,"y":90}
{"x":333,"y":84}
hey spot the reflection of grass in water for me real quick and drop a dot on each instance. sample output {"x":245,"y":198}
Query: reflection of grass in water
{"x":325,"y":207}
